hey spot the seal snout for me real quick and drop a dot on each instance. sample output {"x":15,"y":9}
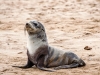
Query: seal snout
{"x":27,"y":24}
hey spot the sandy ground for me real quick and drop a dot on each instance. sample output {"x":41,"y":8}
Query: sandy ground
{"x":70,"y":25}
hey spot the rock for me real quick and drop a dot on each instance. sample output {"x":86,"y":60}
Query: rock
{"x":87,"y":48}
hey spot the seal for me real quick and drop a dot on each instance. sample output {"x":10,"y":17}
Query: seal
{"x":44,"y":56}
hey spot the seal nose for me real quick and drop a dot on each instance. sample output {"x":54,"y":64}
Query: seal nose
{"x":26,"y":24}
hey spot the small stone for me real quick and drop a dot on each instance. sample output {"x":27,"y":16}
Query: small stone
{"x":87,"y":48}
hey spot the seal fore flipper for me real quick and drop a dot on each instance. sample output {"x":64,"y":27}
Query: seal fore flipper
{"x":28,"y":65}
{"x":24,"y":67}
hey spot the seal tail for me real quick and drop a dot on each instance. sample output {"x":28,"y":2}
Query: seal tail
{"x":81,"y":63}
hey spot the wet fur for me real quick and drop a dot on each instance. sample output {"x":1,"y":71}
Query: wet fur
{"x":43,"y":56}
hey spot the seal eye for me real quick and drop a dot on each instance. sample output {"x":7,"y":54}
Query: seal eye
{"x":35,"y":24}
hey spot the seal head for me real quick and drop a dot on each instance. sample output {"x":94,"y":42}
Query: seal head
{"x":34,"y":27}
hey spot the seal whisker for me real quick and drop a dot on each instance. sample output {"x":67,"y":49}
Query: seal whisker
{"x":25,"y":30}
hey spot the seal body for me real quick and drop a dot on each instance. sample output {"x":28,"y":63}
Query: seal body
{"x":44,"y":56}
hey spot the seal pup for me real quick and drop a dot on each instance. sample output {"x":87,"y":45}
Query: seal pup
{"x":44,"y":56}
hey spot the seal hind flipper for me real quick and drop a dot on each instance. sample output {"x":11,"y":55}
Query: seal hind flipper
{"x":73,"y":65}
{"x":82,"y":63}
{"x":28,"y":65}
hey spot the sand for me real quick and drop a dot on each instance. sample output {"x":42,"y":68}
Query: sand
{"x":71,"y":25}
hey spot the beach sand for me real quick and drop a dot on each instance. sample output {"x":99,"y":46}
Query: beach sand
{"x":71,"y":25}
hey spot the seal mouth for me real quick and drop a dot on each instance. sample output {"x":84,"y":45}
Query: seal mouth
{"x":28,"y":28}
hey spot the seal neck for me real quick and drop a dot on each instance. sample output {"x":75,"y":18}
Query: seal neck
{"x":38,"y":38}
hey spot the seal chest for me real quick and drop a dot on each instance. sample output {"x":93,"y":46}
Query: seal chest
{"x":31,"y":46}
{"x":33,"y":43}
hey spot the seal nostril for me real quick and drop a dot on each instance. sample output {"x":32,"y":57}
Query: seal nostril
{"x":26,"y":23}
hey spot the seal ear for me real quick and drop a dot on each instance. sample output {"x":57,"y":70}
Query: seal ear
{"x":42,"y":27}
